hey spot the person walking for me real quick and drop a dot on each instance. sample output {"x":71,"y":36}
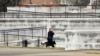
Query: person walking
{"x":50,"y":41}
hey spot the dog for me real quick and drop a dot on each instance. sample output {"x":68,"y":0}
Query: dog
{"x":43,"y":44}
{"x":46,"y":44}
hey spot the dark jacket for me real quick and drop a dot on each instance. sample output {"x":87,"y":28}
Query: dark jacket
{"x":50,"y":37}
{"x":50,"y":34}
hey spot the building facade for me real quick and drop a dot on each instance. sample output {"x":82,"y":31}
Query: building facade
{"x":79,"y":25}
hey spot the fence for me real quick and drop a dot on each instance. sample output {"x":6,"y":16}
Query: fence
{"x":14,"y":37}
{"x":48,"y":15}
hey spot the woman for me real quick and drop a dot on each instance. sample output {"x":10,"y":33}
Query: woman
{"x":50,"y":38}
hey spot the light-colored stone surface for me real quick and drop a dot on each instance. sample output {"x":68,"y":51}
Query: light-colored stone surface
{"x":45,"y":52}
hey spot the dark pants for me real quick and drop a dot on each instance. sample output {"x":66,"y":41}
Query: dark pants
{"x":50,"y":42}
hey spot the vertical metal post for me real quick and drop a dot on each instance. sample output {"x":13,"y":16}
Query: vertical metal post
{"x":18,"y":15}
{"x":18,"y":34}
{"x":80,"y":12}
{"x":4,"y":37}
{"x":45,"y":31}
{"x":35,"y":12}
{"x":38,"y":42}
{"x":7,"y":39}
{"x":95,"y":8}
{"x":23,"y":36}
{"x":42,"y":32}
{"x":4,"y":14}
{"x":32,"y":33}
{"x":65,"y":11}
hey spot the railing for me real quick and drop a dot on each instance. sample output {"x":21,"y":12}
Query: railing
{"x":51,"y":11}
{"x":49,"y":15}
{"x":12,"y":37}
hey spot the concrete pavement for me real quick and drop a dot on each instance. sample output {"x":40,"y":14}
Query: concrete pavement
{"x":45,"y":52}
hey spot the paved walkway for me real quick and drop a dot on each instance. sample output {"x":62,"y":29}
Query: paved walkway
{"x":44,"y":52}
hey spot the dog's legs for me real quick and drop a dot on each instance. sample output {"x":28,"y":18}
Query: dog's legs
{"x":47,"y":44}
{"x":53,"y":46}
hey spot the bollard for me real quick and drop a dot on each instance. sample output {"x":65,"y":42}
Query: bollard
{"x":24,"y":43}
